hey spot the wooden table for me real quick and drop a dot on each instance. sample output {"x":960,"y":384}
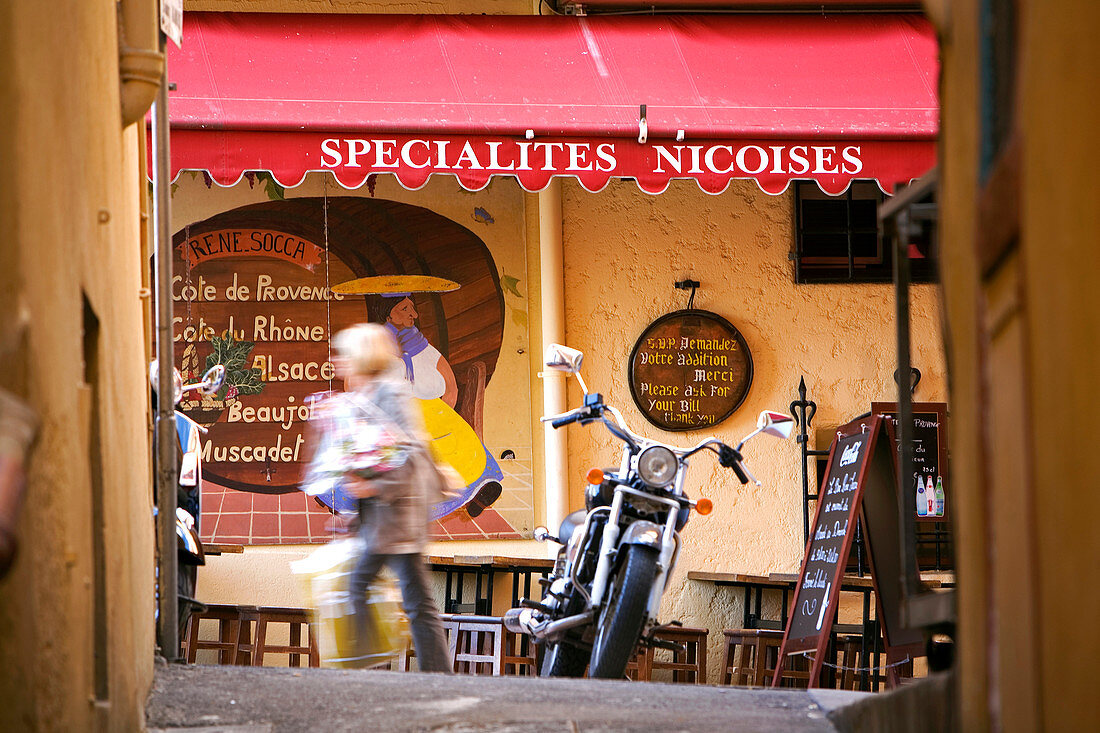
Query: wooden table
{"x":484,"y":568}
{"x":222,"y":549}
{"x":753,"y":617}
{"x":755,"y":585}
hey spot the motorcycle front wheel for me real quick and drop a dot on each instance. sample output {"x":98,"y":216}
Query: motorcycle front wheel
{"x":621,"y":621}
{"x":561,"y":659}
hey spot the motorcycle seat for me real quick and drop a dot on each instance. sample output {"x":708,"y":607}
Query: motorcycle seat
{"x":569,"y":524}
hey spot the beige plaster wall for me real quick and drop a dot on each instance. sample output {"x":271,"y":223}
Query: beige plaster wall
{"x":624,"y":249}
{"x":69,"y":197}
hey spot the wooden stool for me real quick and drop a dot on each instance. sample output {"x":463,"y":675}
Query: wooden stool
{"x":514,"y":661}
{"x":478,"y":645}
{"x":297,"y":618}
{"x":796,"y":670}
{"x":638,"y":668}
{"x":404,"y":657}
{"x":848,"y":648}
{"x":751,"y":656}
{"x":739,"y":659}
{"x":234,"y":634}
{"x":688,"y":664}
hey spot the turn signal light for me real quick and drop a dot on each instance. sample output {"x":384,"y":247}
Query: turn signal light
{"x":704,"y":506}
{"x":595,"y":476}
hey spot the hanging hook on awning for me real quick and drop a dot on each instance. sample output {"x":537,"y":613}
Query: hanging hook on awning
{"x":643,"y":126}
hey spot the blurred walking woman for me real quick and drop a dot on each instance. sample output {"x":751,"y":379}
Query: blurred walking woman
{"x":393,"y":517}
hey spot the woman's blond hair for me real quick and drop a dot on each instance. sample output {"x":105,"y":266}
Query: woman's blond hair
{"x":369,"y":348}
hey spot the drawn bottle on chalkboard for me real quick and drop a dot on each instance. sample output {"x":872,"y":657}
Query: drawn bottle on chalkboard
{"x":939,"y":496}
{"x":922,"y":499}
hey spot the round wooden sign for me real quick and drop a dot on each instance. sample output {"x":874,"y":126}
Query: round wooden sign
{"x":689,"y":370}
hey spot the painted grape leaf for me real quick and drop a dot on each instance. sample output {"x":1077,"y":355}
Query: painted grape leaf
{"x":233,"y":355}
{"x":274,"y":191}
{"x":511,"y":284}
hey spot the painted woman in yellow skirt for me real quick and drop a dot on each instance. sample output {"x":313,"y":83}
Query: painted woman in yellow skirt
{"x":434,"y":386}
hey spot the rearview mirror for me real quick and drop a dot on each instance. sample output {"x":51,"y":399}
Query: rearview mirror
{"x":563,"y":359}
{"x":177,"y":381}
{"x":213,"y":379}
{"x":775,"y":423}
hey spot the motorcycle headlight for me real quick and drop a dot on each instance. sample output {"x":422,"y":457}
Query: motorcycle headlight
{"x":657,"y":466}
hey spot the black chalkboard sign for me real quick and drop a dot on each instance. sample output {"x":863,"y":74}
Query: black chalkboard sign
{"x":929,"y":436}
{"x":827,"y":550}
{"x":860,"y":481}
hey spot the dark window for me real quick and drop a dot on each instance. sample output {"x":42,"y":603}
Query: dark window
{"x":837,"y":238}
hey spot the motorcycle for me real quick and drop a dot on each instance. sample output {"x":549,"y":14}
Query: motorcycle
{"x":189,"y":549}
{"x":617,"y":554}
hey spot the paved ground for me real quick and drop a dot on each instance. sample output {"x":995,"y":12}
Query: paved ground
{"x":277,"y":700}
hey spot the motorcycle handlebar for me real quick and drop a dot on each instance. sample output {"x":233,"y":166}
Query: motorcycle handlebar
{"x":563,"y":421}
{"x":728,"y":456}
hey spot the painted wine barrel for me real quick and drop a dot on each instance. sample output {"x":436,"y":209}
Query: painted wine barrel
{"x":252,"y":290}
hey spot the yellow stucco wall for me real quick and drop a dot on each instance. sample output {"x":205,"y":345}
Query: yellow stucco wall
{"x":623,"y":251}
{"x":69,"y":198}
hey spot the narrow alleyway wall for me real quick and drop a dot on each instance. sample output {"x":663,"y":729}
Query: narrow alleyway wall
{"x":76,"y":610}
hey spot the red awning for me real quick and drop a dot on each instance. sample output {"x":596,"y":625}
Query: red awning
{"x":768,"y":97}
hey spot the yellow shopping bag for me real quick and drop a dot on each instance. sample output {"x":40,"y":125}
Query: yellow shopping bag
{"x":325,"y":577}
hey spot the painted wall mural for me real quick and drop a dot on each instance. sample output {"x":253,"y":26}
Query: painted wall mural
{"x":262,"y":289}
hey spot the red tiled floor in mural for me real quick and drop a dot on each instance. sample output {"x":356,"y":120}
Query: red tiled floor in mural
{"x":489,"y":525}
{"x":294,"y":526}
{"x":492,"y":523}
{"x":237,"y":517}
{"x":295,"y":502}
{"x":317,"y":522}
{"x":452,"y":525}
{"x":236,"y":525}
{"x":212,"y":501}
{"x":265,"y":525}
{"x":236,"y":501}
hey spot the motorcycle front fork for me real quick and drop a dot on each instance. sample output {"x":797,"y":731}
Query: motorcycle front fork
{"x":670,"y":543}
{"x":607,"y":547}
